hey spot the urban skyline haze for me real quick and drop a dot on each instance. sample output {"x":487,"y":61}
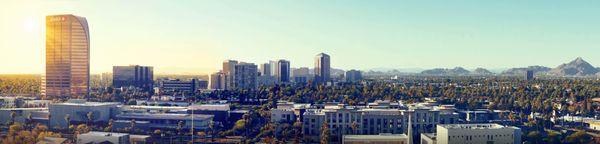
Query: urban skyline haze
{"x":197,"y":36}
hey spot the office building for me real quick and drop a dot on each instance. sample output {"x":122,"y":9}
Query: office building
{"x":67,"y":73}
{"x":353,"y":76}
{"x":282,"y":71}
{"x":301,"y":75}
{"x":164,"y":121}
{"x":428,"y":138}
{"x":245,"y":76}
{"x":201,"y":84}
{"x":266,"y":80}
{"x":477,"y":134}
{"x":133,"y":75}
{"x":265,"y":69}
{"x":322,"y":68}
{"x":229,"y":71}
{"x":529,"y":75}
{"x":178,"y":87}
{"x":77,"y":111}
{"x":383,"y":138}
{"x":217,"y":81}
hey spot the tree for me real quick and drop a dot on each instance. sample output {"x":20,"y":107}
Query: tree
{"x":13,"y":114}
{"x":578,"y":137}
{"x":325,"y":133}
{"x":68,"y":120}
{"x":534,"y":137}
{"x":90,"y":117}
{"x":132,"y":126}
{"x":109,"y":127}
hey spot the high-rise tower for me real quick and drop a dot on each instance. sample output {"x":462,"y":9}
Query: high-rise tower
{"x":322,"y":68}
{"x":67,"y":57}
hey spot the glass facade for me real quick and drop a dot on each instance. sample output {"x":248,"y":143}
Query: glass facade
{"x":67,"y":57}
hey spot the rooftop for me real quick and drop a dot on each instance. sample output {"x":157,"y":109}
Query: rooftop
{"x":164,"y":116}
{"x":82,"y":102}
{"x":473,"y":126}
{"x":382,"y":136}
{"x":104,"y":134}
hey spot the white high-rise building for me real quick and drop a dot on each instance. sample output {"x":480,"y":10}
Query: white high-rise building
{"x":217,"y":81}
{"x":67,"y":57}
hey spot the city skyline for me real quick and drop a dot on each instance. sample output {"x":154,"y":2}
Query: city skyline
{"x":358,"y":35}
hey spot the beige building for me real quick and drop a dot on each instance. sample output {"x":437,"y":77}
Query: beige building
{"x":67,"y":57}
{"x":384,"y":138}
{"x":477,"y":134}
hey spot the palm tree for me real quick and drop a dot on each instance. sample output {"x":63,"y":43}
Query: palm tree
{"x":68,"y":120}
{"x":354,"y":127}
{"x":132,"y":126}
{"x":90,"y":117}
{"x":13,"y":114}
{"x":325,"y":133}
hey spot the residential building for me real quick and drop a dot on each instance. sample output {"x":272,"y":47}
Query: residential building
{"x":265,"y":69}
{"x":477,"y":134}
{"x":77,"y":111}
{"x":245,"y":76}
{"x":383,"y":138}
{"x":217,"y":81}
{"x":376,"y":118}
{"x":229,"y":71}
{"x":67,"y":73}
{"x":322,"y":68}
{"x":353,"y":76}
{"x":133,"y":75}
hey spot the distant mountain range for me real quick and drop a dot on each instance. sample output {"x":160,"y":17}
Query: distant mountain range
{"x":575,"y":68}
{"x":521,"y":71}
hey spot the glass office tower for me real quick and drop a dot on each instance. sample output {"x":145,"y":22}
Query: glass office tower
{"x":67,"y":57}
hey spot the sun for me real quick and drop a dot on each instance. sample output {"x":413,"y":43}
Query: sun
{"x":30,"y":25}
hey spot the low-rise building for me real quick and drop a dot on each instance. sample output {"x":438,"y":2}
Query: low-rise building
{"x":77,"y":111}
{"x":477,"y":134}
{"x":153,"y":121}
{"x":97,"y":137}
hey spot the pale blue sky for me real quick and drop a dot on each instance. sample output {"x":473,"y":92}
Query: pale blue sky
{"x":195,"y":36}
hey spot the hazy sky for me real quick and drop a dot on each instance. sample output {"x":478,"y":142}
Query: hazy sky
{"x":195,"y":36}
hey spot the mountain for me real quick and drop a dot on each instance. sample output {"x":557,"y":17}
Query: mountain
{"x":521,"y":71}
{"x":481,"y":71}
{"x":577,"y":67}
{"x":443,"y":71}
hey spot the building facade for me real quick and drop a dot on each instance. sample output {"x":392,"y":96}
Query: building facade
{"x":229,"y":71}
{"x":477,"y":134}
{"x":322,"y":68}
{"x":67,"y":72}
{"x":353,"y":76}
{"x":283,"y":71}
{"x":245,"y":76}
{"x":134,"y":75}
{"x":177,"y":87}
{"x":77,"y":111}
{"x":217,"y":81}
